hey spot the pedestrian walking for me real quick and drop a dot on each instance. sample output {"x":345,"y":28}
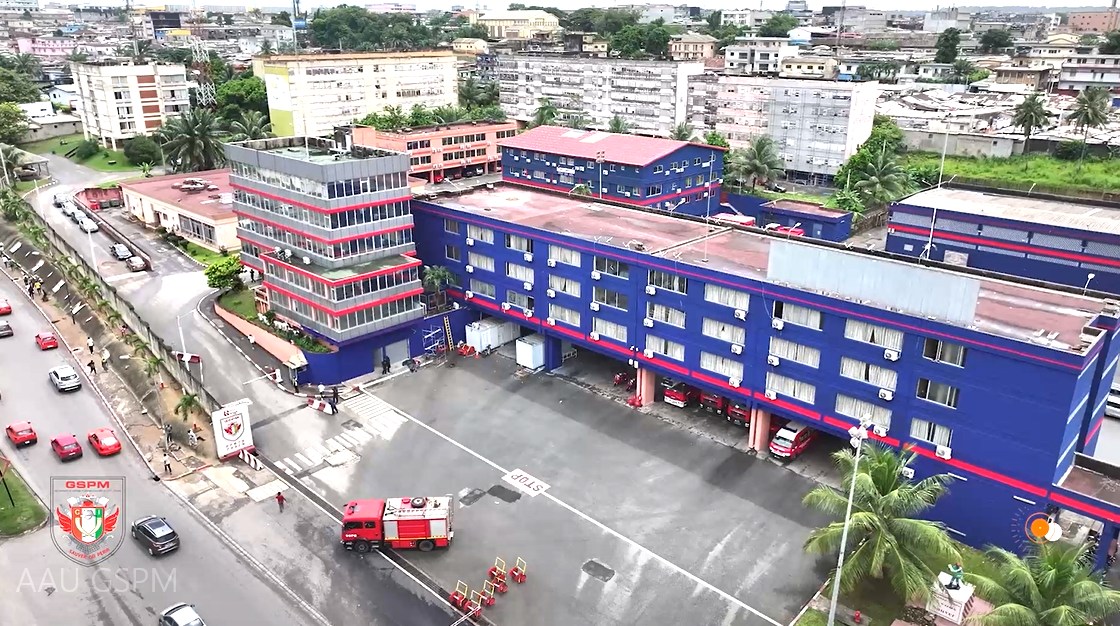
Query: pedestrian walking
{"x":322,"y":390}
{"x":280,"y":500}
{"x":166,"y":464}
{"x":336,"y":395}
{"x":385,"y":364}
{"x":31,"y":291}
{"x":89,"y":342}
{"x":91,"y":367}
{"x":252,"y":341}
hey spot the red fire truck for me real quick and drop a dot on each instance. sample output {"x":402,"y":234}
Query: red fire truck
{"x":423,"y":523}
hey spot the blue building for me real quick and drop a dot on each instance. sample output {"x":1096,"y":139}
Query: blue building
{"x":817,"y":221}
{"x":993,"y":381}
{"x":643,"y":171}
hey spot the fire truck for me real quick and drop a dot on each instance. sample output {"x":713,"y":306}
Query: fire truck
{"x":424,"y":523}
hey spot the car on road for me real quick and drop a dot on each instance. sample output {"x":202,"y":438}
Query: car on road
{"x":104,"y":441}
{"x":136,"y":264}
{"x":75,"y":214}
{"x":21,"y":434}
{"x":46,"y":341}
{"x":66,"y":447}
{"x":155,"y":535}
{"x":5,"y":307}
{"x":64,"y":378}
{"x":775,"y":187}
{"x":6,"y":329}
{"x":59,"y":201}
{"x":181,"y":614}
{"x":121,"y":251}
{"x":88,"y":226}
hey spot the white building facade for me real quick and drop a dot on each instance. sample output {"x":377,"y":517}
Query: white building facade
{"x":1090,"y":70}
{"x":757,"y":55}
{"x":118,"y":101}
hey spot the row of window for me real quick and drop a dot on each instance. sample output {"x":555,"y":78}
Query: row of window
{"x":342,"y":219}
{"x":335,"y":189}
{"x":460,"y":139}
{"x":464,"y":154}
{"x":350,"y":320}
{"x":340,"y":250}
{"x":353,"y":289}
{"x":611,"y":166}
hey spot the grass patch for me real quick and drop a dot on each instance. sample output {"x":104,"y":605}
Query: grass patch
{"x":240,"y":303}
{"x":27,"y":185}
{"x":55,"y":145}
{"x":99,"y":161}
{"x":1024,"y":171}
{"x":813,"y":617}
{"x":204,"y":256}
{"x":27,"y":513}
{"x":109,"y":161}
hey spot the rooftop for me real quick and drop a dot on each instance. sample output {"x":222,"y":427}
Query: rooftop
{"x":420,"y":130}
{"x":995,"y":306}
{"x":1065,"y":214}
{"x":205,"y":194}
{"x":804,"y":207}
{"x":583,"y":144}
{"x":318,"y":150}
{"x":356,"y":56}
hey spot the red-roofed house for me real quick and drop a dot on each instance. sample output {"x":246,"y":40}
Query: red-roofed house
{"x":645,"y":171}
{"x":198,"y":206}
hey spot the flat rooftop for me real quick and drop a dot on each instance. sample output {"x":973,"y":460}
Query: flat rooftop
{"x":205,"y":194}
{"x":1065,"y":214}
{"x":321,"y":151}
{"x":998,"y":307}
{"x":342,"y":273}
{"x":809,"y":208}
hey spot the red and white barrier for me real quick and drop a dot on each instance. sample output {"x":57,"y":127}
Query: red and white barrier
{"x":250,"y":459}
{"x":320,"y":405}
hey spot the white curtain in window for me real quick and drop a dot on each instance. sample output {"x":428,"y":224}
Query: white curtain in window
{"x":861,"y":409}
{"x":667,"y":314}
{"x":882,"y":336}
{"x":567,"y":256}
{"x":517,"y":298}
{"x":563,"y":314}
{"x":783,"y":385}
{"x":664,"y":347}
{"x":881,"y":377}
{"x":562,"y":284}
{"x":608,"y":329}
{"x":928,"y":431}
{"x":482,"y":288}
{"x":800,"y":315}
{"x":519,"y":272}
{"x":728,"y":297}
{"x":796,"y":352}
{"x":481,"y":261}
{"x":724,"y":331}
{"x":721,"y":365}
{"x":517,"y":242}
{"x":479,"y":233}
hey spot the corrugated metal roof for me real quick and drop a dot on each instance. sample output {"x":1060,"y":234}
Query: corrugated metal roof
{"x":1030,"y":210}
{"x":583,"y":144}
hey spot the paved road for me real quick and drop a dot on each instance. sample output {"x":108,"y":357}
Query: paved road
{"x":131,"y":587}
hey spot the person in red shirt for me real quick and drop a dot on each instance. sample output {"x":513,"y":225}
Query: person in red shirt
{"x":280,"y":500}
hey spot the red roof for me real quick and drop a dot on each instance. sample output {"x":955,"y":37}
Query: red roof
{"x":587,"y":144}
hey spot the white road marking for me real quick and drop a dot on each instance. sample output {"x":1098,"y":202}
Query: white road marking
{"x":305,"y":461}
{"x":359,"y":435}
{"x":347,"y":439}
{"x":320,"y":450}
{"x":286,"y":465}
{"x":333,"y":445}
{"x":267,"y":490}
{"x":375,"y":401}
{"x":313,"y":455}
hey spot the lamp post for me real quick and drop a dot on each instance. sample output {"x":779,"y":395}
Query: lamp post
{"x":183,"y":345}
{"x":858,"y":435}
{"x":600,"y":156}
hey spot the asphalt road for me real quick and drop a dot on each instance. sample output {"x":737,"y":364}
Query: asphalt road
{"x":40,"y":586}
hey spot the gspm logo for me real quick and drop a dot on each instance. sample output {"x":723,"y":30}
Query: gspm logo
{"x":87,"y":516}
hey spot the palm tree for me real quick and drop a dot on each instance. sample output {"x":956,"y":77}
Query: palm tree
{"x":1052,"y":586}
{"x":420,"y":115}
{"x":188,"y":404}
{"x":576,"y":120}
{"x":891,"y":544}
{"x":1030,"y":115}
{"x":153,"y":365}
{"x":1094,"y":105}
{"x":962,"y":68}
{"x":757,"y":163}
{"x":10,"y":160}
{"x":618,"y":124}
{"x":191,"y":141}
{"x":491,"y":94}
{"x":394,"y":117}
{"x":77,"y":57}
{"x":470,"y":93}
{"x":546,"y":113}
{"x":436,"y":277}
{"x":582,"y":189}
{"x":146,"y":170}
{"x":880,"y":180}
{"x":26,"y":64}
{"x":12,"y":206}
{"x":252,"y":125}
{"x":266,"y":48}
{"x":491,"y":113}
{"x":448,"y":115}
{"x":682,"y":132}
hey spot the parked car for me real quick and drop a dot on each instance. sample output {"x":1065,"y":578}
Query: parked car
{"x":155,"y":535}
{"x":21,"y":434}
{"x":88,"y":226}
{"x":775,"y":187}
{"x":64,"y":378}
{"x":104,"y":441}
{"x":181,"y":614}
{"x":6,"y":329}
{"x":791,"y":441}
{"x":136,"y":264}
{"x":69,"y":210}
{"x":66,"y":447}
{"x":5,"y":307}
{"x":46,"y":341}
{"x":739,"y":413}
{"x":121,"y":251}
{"x":682,"y":395}
{"x":76,"y":215}
{"x":59,"y":200}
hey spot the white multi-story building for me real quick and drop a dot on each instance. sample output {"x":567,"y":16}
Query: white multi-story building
{"x":1090,"y":70}
{"x":942,"y":20}
{"x":651,"y":96}
{"x":19,"y":5}
{"x":745,"y":17}
{"x":521,"y":24}
{"x":864,"y":21}
{"x":119,"y":100}
{"x":310,"y":94}
{"x":816,"y":124}
{"x":757,"y":55}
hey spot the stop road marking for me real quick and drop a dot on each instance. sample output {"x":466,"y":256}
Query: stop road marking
{"x":526,"y":483}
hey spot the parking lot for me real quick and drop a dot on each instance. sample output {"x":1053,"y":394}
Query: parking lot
{"x":643,"y":521}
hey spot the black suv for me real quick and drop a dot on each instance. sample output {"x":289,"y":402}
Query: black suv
{"x":155,"y":534}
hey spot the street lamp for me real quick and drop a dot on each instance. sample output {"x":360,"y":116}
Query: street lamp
{"x":183,"y":344}
{"x":858,"y":435}
{"x":1089,"y":279}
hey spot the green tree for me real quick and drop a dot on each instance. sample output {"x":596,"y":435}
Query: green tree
{"x":757,"y":163}
{"x":606,"y":22}
{"x":948,"y":46}
{"x":187,"y":405}
{"x":962,"y":70}
{"x":716,"y":138}
{"x":224,"y":274}
{"x":1030,"y":115}
{"x":141,"y":149}
{"x":995,"y":40}
{"x":714,"y":20}
{"x":1111,"y":43}
{"x":1091,"y":110}
{"x":86,"y":149}
{"x":394,"y":117}
{"x":355,"y":28}
{"x":27,"y":64}
{"x":192,"y":141}
{"x":251,"y":125}
{"x":879,"y":181}
{"x":436,"y":277}
{"x":470,"y":93}
{"x":618,"y":124}
{"x":471,"y":31}
{"x":448,"y":114}
{"x":629,"y":42}
{"x":13,"y":207}
{"x":1053,"y":585}
{"x":13,"y":123}
{"x":16,"y":87}
{"x":923,"y":175}
{"x":545,"y":114}
{"x":885,"y":70}
{"x":77,"y":57}
{"x":239,"y":95}
{"x":492,"y":113}
{"x":845,"y":200}
{"x":419,"y":115}
{"x":682,"y":132}
{"x":778,"y":25}
{"x":576,"y":120}
{"x":11,"y":159}
{"x":656,"y":40}
{"x":282,"y":18}
{"x":266,"y":47}
{"x":891,"y":544}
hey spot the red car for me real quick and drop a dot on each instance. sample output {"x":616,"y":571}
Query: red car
{"x":5,"y":307}
{"x":104,"y":441}
{"x":791,"y":441}
{"x":66,"y":447}
{"x":682,"y":395}
{"x":21,"y":434}
{"x":46,"y":341}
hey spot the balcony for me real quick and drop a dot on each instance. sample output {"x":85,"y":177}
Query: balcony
{"x":351,"y":333}
{"x":317,"y":230}
{"x":339,"y":305}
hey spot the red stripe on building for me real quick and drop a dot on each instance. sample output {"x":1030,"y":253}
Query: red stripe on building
{"x":672,"y":367}
{"x":1093,"y":431}
{"x":342,"y":281}
{"x":318,"y":238}
{"x":332,"y":312}
{"x":995,"y":243}
{"x":643,"y":202}
{"x":1083,"y":507}
{"x":319,"y":209}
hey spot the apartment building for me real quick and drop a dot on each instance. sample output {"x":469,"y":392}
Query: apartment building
{"x":311,"y":94}
{"x":942,"y":20}
{"x":329,"y":227}
{"x":587,"y":44}
{"x":806,"y":67}
{"x":692,"y":47}
{"x":49,"y":49}
{"x":1090,"y":70}
{"x":652,"y":96}
{"x":862,"y":20}
{"x":745,"y":17}
{"x":1095,"y":21}
{"x":19,"y":5}
{"x":444,"y":151}
{"x":528,"y":24}
{"x":119,"y":100}
{"x":757,"y":55}
{"x":816,"y":125}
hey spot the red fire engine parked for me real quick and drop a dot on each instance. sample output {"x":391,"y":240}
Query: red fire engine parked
{"x":713,"y":403}
{"x":421,"y":523}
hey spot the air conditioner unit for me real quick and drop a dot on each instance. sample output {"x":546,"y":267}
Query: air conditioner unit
{"x":626,"y":193}
{"x":891,"y":355}
{"x":528,"y":312}
{"x":470,"y":242}
{"x":648,"y":353}
{"x":734,"y":382}
{"x":552,"y":262}
{"x":505,"y":306}
{"x":736,"y":348}
{"x":944,"y":452}
{"x":527,"y":286}
{"x":740,"y":314}
{"x":651,"y":290}
{"x":906,"y":472}
{"x":777,"y":323}
{"x":470,"y":269}
{"x":528,"y":256}
{"x":886,"y":394}
{"x":594,"y":336}
{"x":469,"y":295}
{"x":594,"y":306}
{"x":648,"y":322}
{"x":771,"y":394}
{"x":596,"y":275}
{"x":880,"y":431}
{"x":551,"y":321}
{"x":551,"y":293}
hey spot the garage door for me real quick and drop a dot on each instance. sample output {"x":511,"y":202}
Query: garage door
{"x":398,"y":353}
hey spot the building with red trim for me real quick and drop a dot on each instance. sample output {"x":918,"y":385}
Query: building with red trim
{"x":329,"y":227}
{"x":458,"y":150}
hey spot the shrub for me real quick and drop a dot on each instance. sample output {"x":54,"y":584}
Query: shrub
{"x":86,"y":149}
{"x":140,"y":150}
{"x":1069,"y":150}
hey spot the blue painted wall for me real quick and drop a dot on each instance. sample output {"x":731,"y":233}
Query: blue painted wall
{"x":354,"y":358}
{"x":828,"y":227}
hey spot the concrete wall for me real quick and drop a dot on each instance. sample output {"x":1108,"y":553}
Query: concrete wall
{"x":962,"y":145}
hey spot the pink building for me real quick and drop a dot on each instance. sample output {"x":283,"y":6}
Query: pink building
{"x":49,"y":48}
{"x":444,"y":151}
{"x":1104,"y":21}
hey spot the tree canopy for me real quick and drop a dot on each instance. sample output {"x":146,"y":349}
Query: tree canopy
{"x":1111,"y":43}
{"x":239,"y":95}
{"x":355,"y":28}
{"x":13,"y":123}
{"x":778,"y":25}
{"x":141,"y":149}
{"x":15,"y":87}
{"x":948,"y":46}
{"x":994,"y":40}
{"x":606,"y":22}
{"x":642,"y":39}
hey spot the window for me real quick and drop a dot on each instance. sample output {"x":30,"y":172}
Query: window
{"x":881,"y":336}
{"x":665,"y":280}
{"x":611,"y":298}
{"x":881,"y":377}
{"x":612,"y":267}
{"x":727,"y":297}
{"x":653,"y":190}
{"x":696,"y":161}
{"x":664,"y":347}
{"x":797,"y":314}
{"x":482,"y":289}
{"x":795,"y":352}
{"x":517,"y":242}
{"x":724,"y":331}
{"x":480,"y":261}
{"x":563,"y":314}
{"x":657,"y":169}
{"x":520,"y":272}
{"x":863,"y":410}
{"x":516,"y":298}
{"x":791,"y":388}
{"x":564,"y":285}
{"x":944,"y":352}
{"x":721,"y":365}
{"x":609,"y":329}
{"x":479,"y":233}
{"x":567,"y":256}
{"x":662,"y":313}
{"x":938,"y":392}
{"x":936,"y":434}
{"x":452,"y":253}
